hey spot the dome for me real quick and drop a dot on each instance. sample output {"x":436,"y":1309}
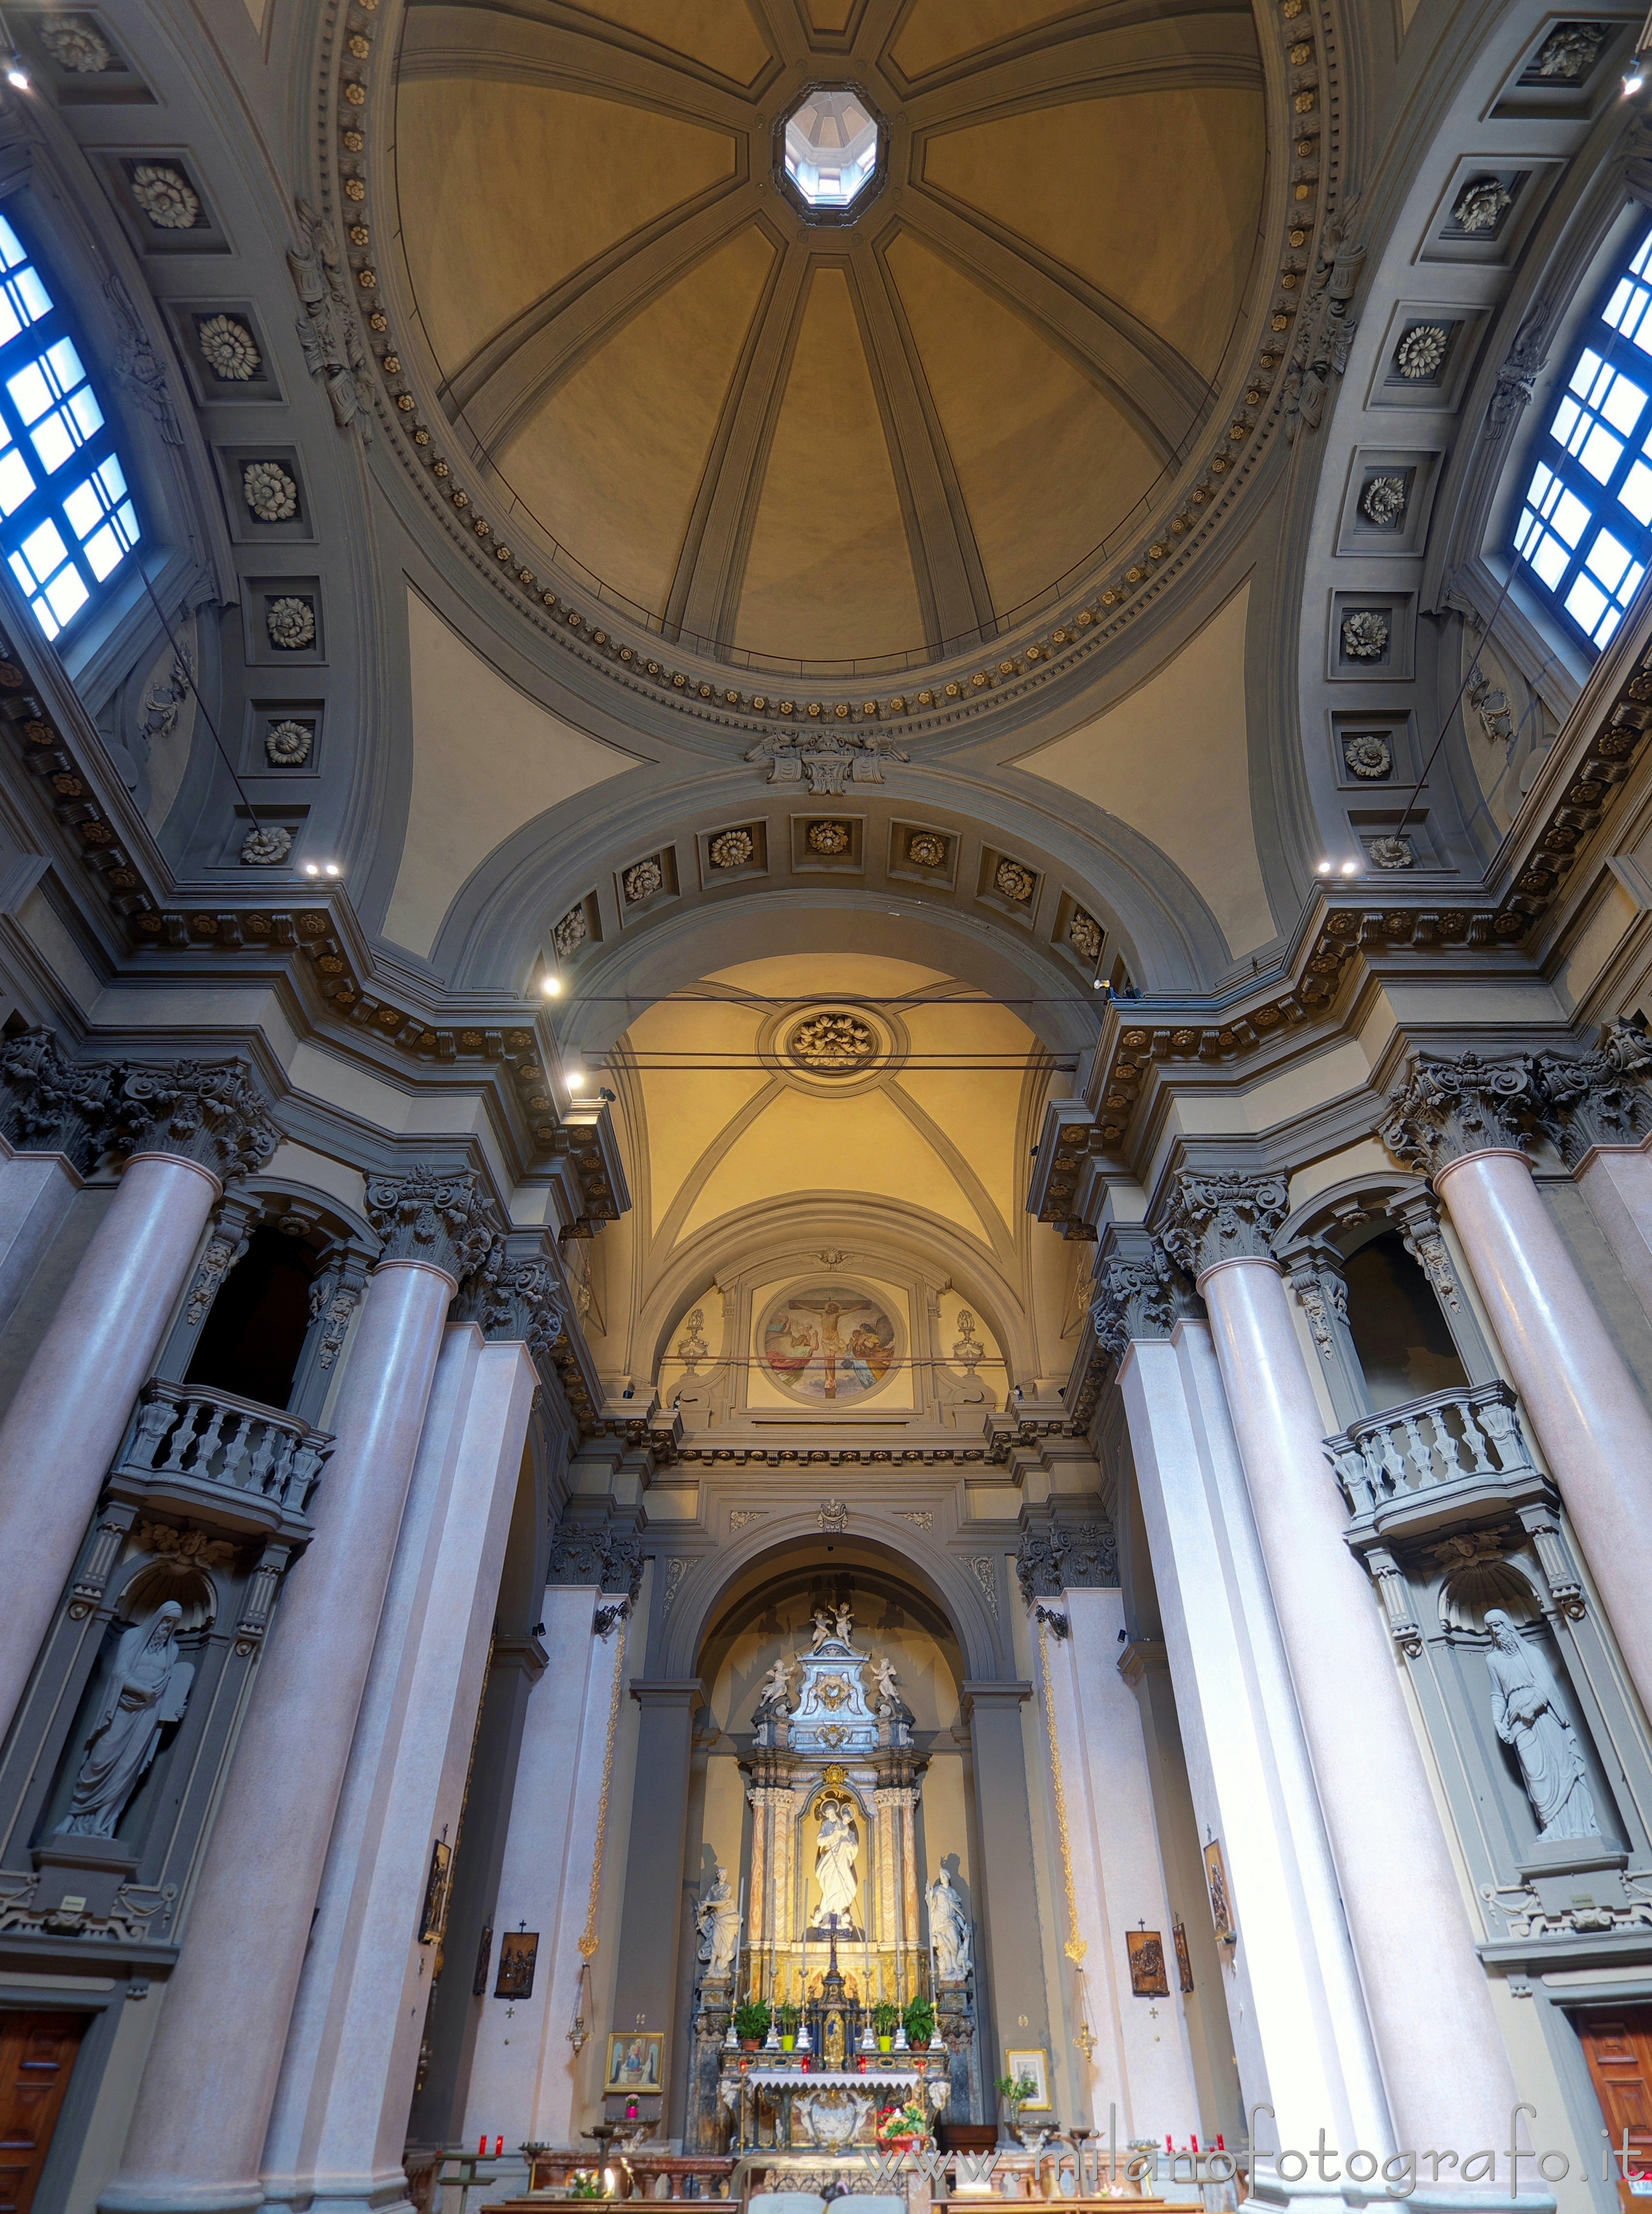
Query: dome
{"x":831,"y":349}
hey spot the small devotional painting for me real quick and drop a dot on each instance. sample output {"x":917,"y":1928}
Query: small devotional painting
{"x":829,"y":1344}
{"x":633,"y":2060}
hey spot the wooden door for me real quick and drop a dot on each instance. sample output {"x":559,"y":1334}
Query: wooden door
{"x":1618,"y":2047}
{"x":37,"y":2056}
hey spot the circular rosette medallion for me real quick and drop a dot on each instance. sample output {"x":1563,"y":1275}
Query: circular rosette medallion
{"x":829,"y":1344}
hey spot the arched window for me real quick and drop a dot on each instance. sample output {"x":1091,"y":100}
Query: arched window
{"x":67,"y":521}
{"x":1584,"y":527}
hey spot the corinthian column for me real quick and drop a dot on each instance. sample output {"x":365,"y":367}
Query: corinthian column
{"x":1460,"y":1121}
{"x":186,"y":1130}
{"x":1443,"y":2061}
{"x":197,"y":2134}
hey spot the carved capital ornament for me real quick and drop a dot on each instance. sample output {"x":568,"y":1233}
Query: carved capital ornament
{"x":439,"y":1216}
{"x":1225,"y":1216}
{"x":1451,"y":1106}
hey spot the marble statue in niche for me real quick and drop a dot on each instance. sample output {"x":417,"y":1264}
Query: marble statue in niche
{"x":718,"y":1920}
{"x":149,"y":1688}
{"x":1526,"y":1709}
{"x":836,"y":1848}
{"x":949,"y":1930}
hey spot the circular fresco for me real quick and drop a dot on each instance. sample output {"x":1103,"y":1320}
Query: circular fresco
{"x":829,"y":1344}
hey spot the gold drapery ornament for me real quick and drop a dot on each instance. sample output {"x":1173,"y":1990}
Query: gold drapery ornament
{"x":1076,"y":1946}
{"x":591,"y":1941}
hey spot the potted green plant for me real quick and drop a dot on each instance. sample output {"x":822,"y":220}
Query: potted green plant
{"x":1015,"y":2091}
{"x":751,"y":2021}
{"x":920,"y":2020}
{"x":884,"y":2015}
{"x":788,"y":2017}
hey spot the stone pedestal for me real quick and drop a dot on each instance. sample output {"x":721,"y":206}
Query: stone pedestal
{"x":338,"y":2131}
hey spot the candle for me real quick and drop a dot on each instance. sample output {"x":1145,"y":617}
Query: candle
{"x":498,"y":2148}
{"x":481,"y":2150}
{"x":1167,"y":2143}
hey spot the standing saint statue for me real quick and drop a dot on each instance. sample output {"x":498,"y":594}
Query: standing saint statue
{"x":718,"y":1919}
{"x":149,"y":1688}
{"x":838,"y":1843}
{"x":1526,"y":1709}
{"x":949,"y":1930}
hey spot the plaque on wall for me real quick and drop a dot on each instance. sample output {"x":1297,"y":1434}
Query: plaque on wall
{"x":1184,"y":1958}
{"x":484,"y":1955}
{"x":1221,"y":1899}
{"x":1146,"y":1950}
{"x":433,"y":1921}
{"x":519,"y":1951}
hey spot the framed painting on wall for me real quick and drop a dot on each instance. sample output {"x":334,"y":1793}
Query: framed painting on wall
{"x":635,"y":2060}
{"x":1036,"y":2064}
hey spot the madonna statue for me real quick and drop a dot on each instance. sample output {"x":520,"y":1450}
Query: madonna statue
{"x":835,"y":1857}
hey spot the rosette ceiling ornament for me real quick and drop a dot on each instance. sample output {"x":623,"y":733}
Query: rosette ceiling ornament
{"x":929,"y":440}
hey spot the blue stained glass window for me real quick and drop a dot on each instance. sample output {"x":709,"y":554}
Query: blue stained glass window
{"x":1584,"y":526}
{"x":67,"y":518}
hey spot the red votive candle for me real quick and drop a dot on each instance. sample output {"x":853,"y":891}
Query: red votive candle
{"x":481,"y":2150}
{"x":499,"y":2147}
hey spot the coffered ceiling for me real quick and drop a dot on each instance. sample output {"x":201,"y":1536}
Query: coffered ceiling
{"x":829,"y":445}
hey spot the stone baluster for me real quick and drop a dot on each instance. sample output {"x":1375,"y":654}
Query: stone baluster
{"x":197,"y":2137}
{"x":378,"y":1930}
{"x":1295,"y":2004}
{"x":187,"y":1128}
{"x":1444,"y":2063}
{"x":1461,"y":1120}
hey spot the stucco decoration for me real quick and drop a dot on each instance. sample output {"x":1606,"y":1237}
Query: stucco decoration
{"x":732,"y":849}
{"x":1383,"y":502}
{"x":227,"y":350}
{"x":291,"y":623}
{"x":1571,"y":52}
{"x":287,"y":744}
{"x":925,"y":849}
{"x":1015,"y":881}
{"x":264,"y":847}
{"x":165,"y":196}
{"x":1365,"y":635}
{"x":1367,"y":754}
{"x":328,"y":329}
{"x":1084,"y":934}
{"x":75,"y":43}
{"x":1393,"y":853}
{"x":830,"y":760}
{"x":1452,"y":1105}
{"x":1482,"y":205}
{"x":828,"y":837}
{"x":270,"y":493}
{"x":832,"y":1043}
{"x":571,"y":934}
{"x":643,"y":881}
{"x":1420,"y":352}
{"x":1223,"y":1216}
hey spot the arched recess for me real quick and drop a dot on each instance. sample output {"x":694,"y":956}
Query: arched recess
{"x":1154,"y":915}
{"x":717,"y":1582}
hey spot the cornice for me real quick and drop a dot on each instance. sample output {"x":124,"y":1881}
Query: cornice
{"x":351,"y":287}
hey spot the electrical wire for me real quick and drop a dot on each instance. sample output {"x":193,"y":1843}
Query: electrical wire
{"x":182,"y":661}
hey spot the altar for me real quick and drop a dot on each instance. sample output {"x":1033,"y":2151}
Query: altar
{"x":838,"y":1936}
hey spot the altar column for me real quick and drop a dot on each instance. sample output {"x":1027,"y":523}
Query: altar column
{"x":204,"y":2104}
{"x":1008,"y":1905}
{"x":1443,"y":2060}
{"x":1301,"y":2039}
{"x":338,"y":2131}
{"x":650,"y":1930}
{"x":190,"y":1129}
{"x":1459,"y":1121}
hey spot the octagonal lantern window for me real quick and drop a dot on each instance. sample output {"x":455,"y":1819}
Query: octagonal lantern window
{"x":831,"y":147}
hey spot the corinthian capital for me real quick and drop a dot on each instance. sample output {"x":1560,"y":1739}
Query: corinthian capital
{"x":517,"y":1295}
{"x":1450,"y":1106}
{"x":1221,"y":1217}
{"x":1599,"y":1099}
{"x":214,"y":1113}
{"x":47,"y":1105}
{"x":1137,"y":1299}
{"x":440,"y":1216}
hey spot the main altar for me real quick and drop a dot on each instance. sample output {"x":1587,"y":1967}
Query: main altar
{"x":836,"y":1922}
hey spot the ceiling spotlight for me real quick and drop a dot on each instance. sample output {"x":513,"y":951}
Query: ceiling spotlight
{"x":1350,"y":868}
{"x":576,"y":1079}
{"x":331,"y":870}
{"x":311,"y":868}
{"x":16,"y":73}
{"x":551,"y":985}
{"x":1634,"y":76}
{"x":1325,"y":868}
{"x":1097,"y":983}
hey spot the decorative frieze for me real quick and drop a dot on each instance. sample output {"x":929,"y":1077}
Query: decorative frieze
{"x":1225,"y":1216}
{"x":439,"y":1216}
{"x":1453,"y":1105}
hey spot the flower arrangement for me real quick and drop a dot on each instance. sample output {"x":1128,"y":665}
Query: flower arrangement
{"x":751,"y":2021}
{"x":905,"y":2126}
{"x":585,"y":2183}
{"x":920,"y":2020}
